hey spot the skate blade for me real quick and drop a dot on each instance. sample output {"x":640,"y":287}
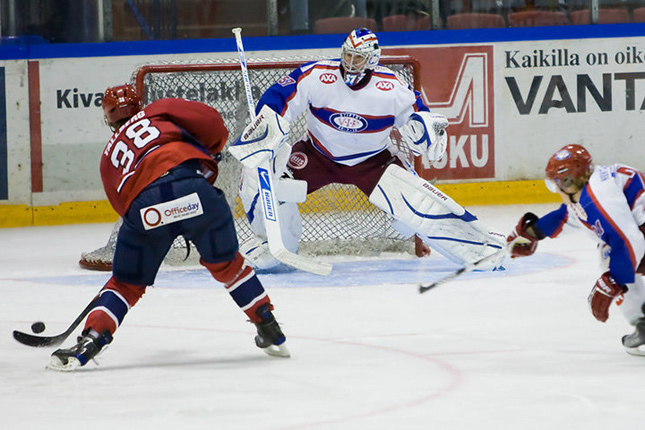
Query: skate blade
{"x":638,"y":351}
{"x":277,"y":351}
{"x":58,"y":366}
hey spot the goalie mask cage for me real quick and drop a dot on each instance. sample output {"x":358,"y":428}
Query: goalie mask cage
{"x":337,"y":219}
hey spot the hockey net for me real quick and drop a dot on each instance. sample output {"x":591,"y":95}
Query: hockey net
{"x":337,"y":219}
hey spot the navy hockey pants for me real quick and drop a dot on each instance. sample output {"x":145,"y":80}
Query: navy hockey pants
{"x":140,"y":252}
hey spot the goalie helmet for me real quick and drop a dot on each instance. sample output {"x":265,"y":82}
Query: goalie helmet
{"x":121,"y":103}
{"x":360,"y":53}
{"x":570,"y":166}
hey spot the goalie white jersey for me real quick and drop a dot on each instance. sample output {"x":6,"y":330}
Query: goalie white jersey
{"x":348,"y":125}
{"x":348,"y":135}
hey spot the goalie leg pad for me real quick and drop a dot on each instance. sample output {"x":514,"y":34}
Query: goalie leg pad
{"x":256,"y":249}
{"x":441,"y":222}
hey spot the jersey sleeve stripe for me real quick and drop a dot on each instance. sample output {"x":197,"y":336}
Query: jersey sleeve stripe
{"x":419,"y":105}
{"x":603,"y":213}
{"x":634,"y":188}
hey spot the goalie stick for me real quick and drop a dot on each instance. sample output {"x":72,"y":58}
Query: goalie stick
{"x":267,"y":191}
{"x":42,"y":341}
{"x":467,"y":268}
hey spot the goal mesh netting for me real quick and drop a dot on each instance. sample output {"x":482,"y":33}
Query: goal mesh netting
{"x":337,"y":219}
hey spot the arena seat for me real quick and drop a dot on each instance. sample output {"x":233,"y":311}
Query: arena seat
{"x":639,"y":14}
{"x":537,"y":18}
{"x":474,"y":20}
{"x":605,"y":16}
{"x":408,"y":22}
{"x":343,"y":24}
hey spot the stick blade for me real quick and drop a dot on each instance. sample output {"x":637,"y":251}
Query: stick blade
{"x":424,"y":288}
{"x":37,"y":341}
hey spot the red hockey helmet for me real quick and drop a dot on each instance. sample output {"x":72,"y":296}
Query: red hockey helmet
{"x":121,"y":103}
{"x":570,"y":166}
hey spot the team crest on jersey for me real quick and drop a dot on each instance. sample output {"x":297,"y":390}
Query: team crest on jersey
{"x":347,"y":121}
{"x":328,"y":78}
{"x":298,"y":160}
{"x":286,"y":80}
{"x":385,"y":85}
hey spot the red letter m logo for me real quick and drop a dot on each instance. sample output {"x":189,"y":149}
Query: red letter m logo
{"x":460,"y":86}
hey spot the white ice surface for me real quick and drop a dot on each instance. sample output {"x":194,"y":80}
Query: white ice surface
{"x":507,"y":350}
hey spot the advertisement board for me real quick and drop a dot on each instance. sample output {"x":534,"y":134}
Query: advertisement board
{"x":462,"y":89}
{"x":510,"y":101}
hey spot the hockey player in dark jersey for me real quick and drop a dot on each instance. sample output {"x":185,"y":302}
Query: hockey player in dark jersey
{"x":157,"y":170}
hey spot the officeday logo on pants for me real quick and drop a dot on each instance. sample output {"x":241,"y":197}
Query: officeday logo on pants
{"x":168,"y":212}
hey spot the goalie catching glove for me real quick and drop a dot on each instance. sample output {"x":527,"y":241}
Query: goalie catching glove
{"x":425,"y":134}
{"x":260,"y":140}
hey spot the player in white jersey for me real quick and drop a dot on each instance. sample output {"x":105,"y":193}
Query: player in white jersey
{"x":352,"y":104}
{"x":609,"y":203}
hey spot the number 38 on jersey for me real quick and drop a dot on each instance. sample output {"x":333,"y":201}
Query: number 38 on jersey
{"x":139,"y":134}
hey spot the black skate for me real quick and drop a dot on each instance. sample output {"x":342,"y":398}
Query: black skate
{"x":78,"y":355}
{"x":635,"y":343}
{"x":270,"y":337}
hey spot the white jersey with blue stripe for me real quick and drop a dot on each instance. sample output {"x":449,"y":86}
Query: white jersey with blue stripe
{"x":612,"y":208}
{"x":346,"y":125}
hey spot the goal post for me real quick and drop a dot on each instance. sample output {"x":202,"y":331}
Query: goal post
{"x":337,"y":219}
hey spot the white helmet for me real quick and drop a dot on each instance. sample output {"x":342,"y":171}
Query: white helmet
{"x":360,"y":53}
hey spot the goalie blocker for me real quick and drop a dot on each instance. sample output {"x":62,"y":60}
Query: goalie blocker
{"x":261,"y":140}
{"x":437,"y":219}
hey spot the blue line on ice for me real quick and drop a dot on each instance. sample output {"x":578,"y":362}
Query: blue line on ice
{"x":355,"y":272}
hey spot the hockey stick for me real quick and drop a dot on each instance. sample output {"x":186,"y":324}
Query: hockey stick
{"x":267,"y":191}
{"x":467,"y":268}
{"x":42,"y":341}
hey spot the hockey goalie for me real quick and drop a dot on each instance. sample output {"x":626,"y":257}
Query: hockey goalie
{"x":351,"y":106}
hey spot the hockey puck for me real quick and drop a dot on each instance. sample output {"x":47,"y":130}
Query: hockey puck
{"x":38,"y":327}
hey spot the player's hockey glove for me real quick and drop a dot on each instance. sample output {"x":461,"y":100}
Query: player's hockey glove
{"x":603,"y":294}
{"x":521,"y":242}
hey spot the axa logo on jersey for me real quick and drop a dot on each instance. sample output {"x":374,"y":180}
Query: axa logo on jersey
{"x":385,"y":85}
{"x":328,"y":78}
